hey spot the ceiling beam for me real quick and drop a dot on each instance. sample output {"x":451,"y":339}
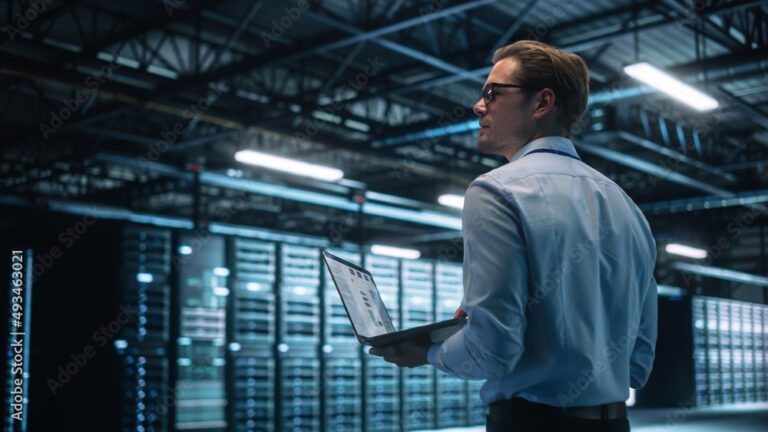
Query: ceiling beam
{"x":570,"y":44}
{"x":516,"y":24}
{"x":732,"y":6}
{"x":659,"y":171}
{"x":399,"y":48}
{"x":608,"y":137}
{"x":691,"y":19}
{"x":161,"y":17}
{"x":709,"y":202}
{"x":743,"y":64}
{"x":278,"y":54}
{"x":649,"y":168}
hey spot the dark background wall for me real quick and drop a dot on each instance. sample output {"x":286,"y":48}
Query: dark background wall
{"x":75,"y":378}
{"x":671,"y":381}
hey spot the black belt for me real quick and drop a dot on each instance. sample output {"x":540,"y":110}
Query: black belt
{"x":519,"y":407}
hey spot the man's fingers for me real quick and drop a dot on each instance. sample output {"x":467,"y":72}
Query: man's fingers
{"x":400,"y":354}
{"x":390,"y":350}
{"x":386,"y":351}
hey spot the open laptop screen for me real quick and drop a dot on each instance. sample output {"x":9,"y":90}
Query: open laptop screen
{"x":361,"y":299}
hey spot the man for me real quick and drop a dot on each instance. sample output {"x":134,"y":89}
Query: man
{"x":559,"y":291}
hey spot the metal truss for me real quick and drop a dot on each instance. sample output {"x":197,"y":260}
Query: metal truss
{"x":173,"y":59}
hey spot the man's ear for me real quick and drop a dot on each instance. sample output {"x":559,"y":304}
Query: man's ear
{"x":545,"y":103}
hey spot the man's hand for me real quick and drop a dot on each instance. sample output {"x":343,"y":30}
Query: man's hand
{"x":459,"y":314}
{"x":405,"y":354}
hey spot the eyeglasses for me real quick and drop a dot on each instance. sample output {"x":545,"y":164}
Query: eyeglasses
{"x":489,"y":91}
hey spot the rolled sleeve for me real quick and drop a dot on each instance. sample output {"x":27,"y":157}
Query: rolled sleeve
{"x":495,"y":289}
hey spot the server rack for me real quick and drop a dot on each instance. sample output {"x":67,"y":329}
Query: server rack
{"x":417,"y":310}
{"x":200,"y":386}
{"x":299,"y":299}
{"x":253,"y":389}
{"x":253,"y":297}
{"x":710,"y":351}
{"x":251,"y":331}
{"x":760,"y":321}
{"x":143,"y":340}
{"x":381,"y":405}
{"x":760,"y":341}
{"x":298,"y":368}
{"x":342,"y":378}
{"x":704,"y":382}
{"x":730,"y":350}
{"x":261,"y":341}
{"x":749,"y":370}
{"x":450,"y":392}
{"x":299,"y":379}
{"x":341,"y":359}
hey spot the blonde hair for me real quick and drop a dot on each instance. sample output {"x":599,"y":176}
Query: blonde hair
{"x":544,"y":66}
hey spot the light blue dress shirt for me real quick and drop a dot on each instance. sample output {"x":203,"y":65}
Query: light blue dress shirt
{"x":558,"y":284}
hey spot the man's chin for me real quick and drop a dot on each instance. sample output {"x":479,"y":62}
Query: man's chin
{"x":486,"y":147}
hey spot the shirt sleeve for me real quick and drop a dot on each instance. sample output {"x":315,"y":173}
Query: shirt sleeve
{"x":495,"y":290}
{"x":641,"y":359}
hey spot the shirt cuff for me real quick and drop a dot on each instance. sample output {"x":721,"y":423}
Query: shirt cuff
{"x":440,"y":354}
{"x":432,"y":354}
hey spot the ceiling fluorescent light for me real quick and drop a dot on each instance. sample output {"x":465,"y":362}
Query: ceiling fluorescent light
{"x":395,"y":252}
{"x":451,"y":200}
{"x":669,"y":291}
{"x":686,"y":251}
{"x":664,"y":82}
{"x":157,"y":70}
{"x":354,"y":124}
{"x":322,"y":115}
{"x":288,"y":165}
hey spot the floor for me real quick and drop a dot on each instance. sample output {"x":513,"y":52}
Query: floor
{"x":744,"y":418}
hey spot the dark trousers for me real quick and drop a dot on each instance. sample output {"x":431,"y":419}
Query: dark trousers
{"x":520,"y":415}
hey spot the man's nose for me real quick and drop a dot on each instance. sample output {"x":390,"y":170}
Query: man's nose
{"x":479,"y":108}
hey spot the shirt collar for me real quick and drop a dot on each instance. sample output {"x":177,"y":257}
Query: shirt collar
{"x":549,"y":142}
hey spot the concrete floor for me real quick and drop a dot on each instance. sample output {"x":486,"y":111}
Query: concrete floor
{"x":743,"y":418}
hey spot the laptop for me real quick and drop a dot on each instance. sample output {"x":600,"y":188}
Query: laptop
{"x":369,"y":317}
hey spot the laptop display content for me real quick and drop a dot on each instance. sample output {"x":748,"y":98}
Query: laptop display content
{"x":361,"y":298}
{"x":367,"y":313}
